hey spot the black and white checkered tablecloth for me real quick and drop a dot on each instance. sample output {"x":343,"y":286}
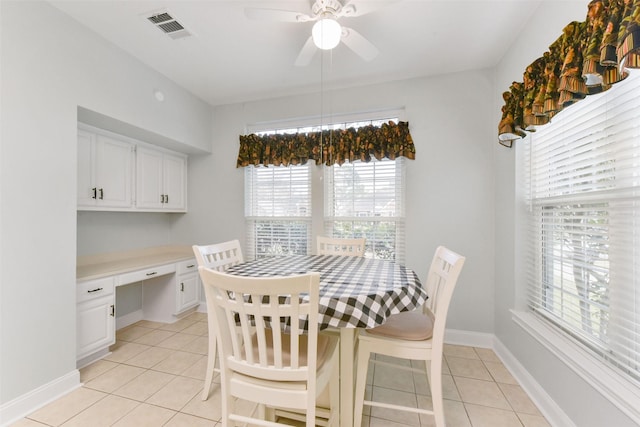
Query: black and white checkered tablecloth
{"x":354,"y":291}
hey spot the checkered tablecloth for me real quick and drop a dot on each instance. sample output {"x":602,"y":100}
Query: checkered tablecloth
{"x":355,"y":292}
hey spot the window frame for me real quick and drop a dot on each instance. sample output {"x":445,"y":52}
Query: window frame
{"x":589,"y":359}
{"x":316,"y":221}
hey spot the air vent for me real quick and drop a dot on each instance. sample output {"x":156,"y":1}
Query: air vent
{"x":168,"y":24}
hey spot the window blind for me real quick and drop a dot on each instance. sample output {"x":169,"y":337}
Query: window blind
{"x":583,"y":189}
{"x":367,"y":200}
{"x":278,"y":210}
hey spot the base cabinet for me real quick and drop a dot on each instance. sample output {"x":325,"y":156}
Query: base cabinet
{"x":187,"y":286}
{"x":95,"y":317}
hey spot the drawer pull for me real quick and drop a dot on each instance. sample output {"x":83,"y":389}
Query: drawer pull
{"x":152,"y":273}
{"x":191,"y":266}
{"x":95,"y":290}
{"x":113,"y":310}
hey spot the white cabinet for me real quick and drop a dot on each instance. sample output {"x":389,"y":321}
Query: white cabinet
{"x":187,"y":286}
{"x":105,"y":177}
{"x":95,"y":316}
{"x":161,"y":179}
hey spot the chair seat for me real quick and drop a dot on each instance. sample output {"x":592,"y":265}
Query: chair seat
{"x":407,"y":325}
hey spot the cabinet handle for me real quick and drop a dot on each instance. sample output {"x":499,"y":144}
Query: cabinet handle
{"x":191,"y":265}
{"x":101,"y":194}
{"x":94,"y":290}
{"x":152,"y":273}
{"x":95,"y":193}
{"x":166,"y":198}
{"x":162,"y":198}
{"x":181,"y":287}
{"x":113,"y":310}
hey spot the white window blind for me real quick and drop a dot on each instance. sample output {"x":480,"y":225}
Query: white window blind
{"x":367,"y":200}
{"x":583,"y":190}
{"x":278,"y":210}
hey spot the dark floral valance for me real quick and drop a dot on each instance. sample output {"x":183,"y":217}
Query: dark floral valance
{"x":586,"y":59}
{"x":328,"y":147}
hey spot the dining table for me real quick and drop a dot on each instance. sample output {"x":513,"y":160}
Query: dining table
{"x":355,"y":292}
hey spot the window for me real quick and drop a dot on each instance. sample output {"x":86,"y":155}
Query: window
{"x":583,"y":185}
{"x":360,"y":200}
{"x":366,"y":200}
{"x":278,"y":210}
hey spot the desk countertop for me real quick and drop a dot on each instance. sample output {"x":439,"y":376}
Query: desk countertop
{"x":103,"y":265}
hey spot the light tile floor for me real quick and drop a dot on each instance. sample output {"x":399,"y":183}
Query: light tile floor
{"x":154,"y":377}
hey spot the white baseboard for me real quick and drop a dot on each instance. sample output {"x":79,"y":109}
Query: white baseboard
{"x":128,"y":319}
{"x":22,"y":406}
{"x":474,"y":339}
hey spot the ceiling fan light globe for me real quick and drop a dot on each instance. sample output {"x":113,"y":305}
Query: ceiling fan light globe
{"x":326,"y":33}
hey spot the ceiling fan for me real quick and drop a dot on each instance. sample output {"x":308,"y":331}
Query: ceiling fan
{"x":327,"y":32}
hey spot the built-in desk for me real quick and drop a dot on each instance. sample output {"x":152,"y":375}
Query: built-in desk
{"x":170,"y":289}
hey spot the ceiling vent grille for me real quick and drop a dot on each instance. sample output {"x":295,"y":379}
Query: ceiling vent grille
{"x":168,"y":24}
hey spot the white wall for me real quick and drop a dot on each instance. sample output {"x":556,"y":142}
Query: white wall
{"x":581,"y":402}
{"x":50,"y":66}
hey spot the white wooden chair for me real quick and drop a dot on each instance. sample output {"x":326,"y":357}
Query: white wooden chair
{"x":414,"y":335}
{"x":271,"y":362}
{"x":336,"y":246}
{"x":218,"y":256}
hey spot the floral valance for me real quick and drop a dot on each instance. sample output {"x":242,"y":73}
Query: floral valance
{"x":328,"y":147}
{"x":586,"y":59}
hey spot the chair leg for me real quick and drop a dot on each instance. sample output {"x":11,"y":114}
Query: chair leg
{"x":434,"y":368}
{"x":334,"y":396}
{"x":211,"y":362}
{"x":364,"y":352}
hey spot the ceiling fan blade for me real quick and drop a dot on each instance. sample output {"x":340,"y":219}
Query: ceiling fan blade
{"x":306,"y":54}
{"x":362,"y":7}
{"x":276,"y":15}
{"x":357,"y":43}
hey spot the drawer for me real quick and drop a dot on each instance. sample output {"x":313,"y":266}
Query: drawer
{"x":188,"y":266}
{"x":94,"y":289}
{"x":146,"y":274}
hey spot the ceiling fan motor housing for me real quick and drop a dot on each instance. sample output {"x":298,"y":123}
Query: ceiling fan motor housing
{"x":326,"y":7}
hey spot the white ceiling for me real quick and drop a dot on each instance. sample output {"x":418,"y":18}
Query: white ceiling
{"x":231,"y":58}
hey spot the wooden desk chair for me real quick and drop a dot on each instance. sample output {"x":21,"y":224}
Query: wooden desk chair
{"x":414,"y":335}
{"x":271,"y":362}
{"x":336,"y":246}
{"x":218,"y":256}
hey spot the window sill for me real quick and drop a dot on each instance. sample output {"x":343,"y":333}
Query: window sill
{"x":621,"y":392}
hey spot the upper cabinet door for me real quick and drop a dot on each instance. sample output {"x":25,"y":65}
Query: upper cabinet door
{"x":114,"y":164}
{"x":86,"y":145}
{"x":160,"y":180}
{"x":149,"y":178}
{"x":105,"y":178}
{"x":175,"y":175}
